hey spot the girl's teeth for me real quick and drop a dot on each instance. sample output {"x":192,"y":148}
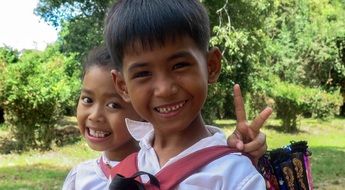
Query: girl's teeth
{"x":98,"y":134}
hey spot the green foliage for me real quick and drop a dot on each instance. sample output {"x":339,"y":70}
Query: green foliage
{"x":34,"y":95}
{"x":213,"y":107}
{"x":80,"y":22}
{"x":293,"y":100}
{"x":8,"y":55}
{"x":302,"y":42}
{"x":239,"y":36}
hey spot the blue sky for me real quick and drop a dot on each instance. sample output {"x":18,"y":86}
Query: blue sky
{"x":21,"y":29}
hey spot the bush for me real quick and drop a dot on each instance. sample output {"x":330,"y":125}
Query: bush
{"x":293,"y":100}
{"x":2,"y":79}
{"x":33,"y":95}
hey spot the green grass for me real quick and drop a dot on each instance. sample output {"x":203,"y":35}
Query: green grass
{"x":46,"y":170}
{"x":41,"y":170}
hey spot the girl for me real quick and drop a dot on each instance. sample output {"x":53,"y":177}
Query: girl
{"x":101,"y":114}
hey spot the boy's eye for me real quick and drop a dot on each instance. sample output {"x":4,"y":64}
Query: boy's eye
{"x":114,"y":105}
{"x":86,"y":100}
{"x":141,"y":74}
{"x":181,"y":65}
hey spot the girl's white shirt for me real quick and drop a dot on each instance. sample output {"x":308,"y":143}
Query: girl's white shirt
{"x":231,"y":172}
{"x":88,"y":175}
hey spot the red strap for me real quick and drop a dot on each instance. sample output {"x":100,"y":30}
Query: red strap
{"x":176,"y":172}
{"x":126,"y":167}
{"x":105,"y":168}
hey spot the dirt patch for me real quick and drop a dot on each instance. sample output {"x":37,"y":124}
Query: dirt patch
{"x":334,"y":184}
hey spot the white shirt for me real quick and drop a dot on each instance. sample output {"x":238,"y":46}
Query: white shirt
{"x":88,"y":176}
{"x":231,"y":172}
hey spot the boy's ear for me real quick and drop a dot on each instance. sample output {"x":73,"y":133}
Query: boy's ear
{"x":120,"y":85}
{"x":214,"y":58}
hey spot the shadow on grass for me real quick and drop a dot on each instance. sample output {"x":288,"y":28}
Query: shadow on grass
{"x":280,"y":129}
{"x":328,"y":167}
{"x":39,"y":176}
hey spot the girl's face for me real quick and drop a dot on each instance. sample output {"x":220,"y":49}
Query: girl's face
{"x":101,"y":114}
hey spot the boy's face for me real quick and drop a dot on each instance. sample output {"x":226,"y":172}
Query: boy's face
{"x":167,"y":85}
{"x":101,"y":113}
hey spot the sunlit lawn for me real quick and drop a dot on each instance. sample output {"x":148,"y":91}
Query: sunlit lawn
{"x":47,"y":170}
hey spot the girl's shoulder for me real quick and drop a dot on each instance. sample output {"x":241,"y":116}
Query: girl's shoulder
{"x":85,"y":171}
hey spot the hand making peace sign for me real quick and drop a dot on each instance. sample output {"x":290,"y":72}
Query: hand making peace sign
{"x":247,"y":137}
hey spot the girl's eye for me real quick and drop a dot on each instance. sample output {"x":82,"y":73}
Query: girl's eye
{"x":181,"y":65}
{"x":141,"y":74}
{"x":114,"y":105}
{"x":86,"y":100}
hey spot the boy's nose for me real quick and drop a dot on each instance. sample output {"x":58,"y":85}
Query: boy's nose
{"x":165,"y":87}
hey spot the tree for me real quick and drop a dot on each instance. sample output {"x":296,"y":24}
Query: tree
{"x":302,"y":42}
{"x":80,"y":22}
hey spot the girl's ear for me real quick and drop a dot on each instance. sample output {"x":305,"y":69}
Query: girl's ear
{"x":120,"y":85}
{"x":214,"y":58}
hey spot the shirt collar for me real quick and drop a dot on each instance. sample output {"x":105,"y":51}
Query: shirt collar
{"x":138,"y":129}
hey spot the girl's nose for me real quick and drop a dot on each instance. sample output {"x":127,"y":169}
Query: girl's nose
{"x":97,"y":114}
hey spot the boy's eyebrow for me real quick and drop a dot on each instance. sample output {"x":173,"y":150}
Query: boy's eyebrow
{"x":176,"y":55}
{"x":136,"y":65}
{"x":179,"y":54}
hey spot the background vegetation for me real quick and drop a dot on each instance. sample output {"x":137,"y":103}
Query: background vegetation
{"x":287,"y":54}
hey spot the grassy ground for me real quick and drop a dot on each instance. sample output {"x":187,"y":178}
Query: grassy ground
{"x":47,"y":170}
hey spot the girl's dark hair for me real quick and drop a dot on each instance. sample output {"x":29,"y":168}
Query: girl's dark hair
{"x":152,"y":22}
{"x":99,"y":57}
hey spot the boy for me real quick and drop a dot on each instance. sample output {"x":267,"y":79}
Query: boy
{"x":160,"y":49}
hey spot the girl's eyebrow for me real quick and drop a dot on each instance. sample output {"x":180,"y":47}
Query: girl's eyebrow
{"x":86,"y":91}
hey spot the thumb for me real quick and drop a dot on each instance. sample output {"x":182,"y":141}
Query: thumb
{"x":235,"y":140}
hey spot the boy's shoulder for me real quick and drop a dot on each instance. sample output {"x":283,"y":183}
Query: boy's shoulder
{"x":231,"y":171}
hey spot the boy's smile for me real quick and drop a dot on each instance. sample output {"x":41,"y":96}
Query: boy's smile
{"x":170,"y":109}
{"x":167,"y":84}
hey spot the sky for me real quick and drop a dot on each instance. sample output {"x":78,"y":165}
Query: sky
{"x":21,"y":29}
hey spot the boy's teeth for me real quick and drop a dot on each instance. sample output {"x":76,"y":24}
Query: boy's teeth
{"x":98,"y":134}
{"x":169,"y":109}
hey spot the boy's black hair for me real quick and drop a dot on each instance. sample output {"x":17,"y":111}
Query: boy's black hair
{"x":152,"y":22}
{"x":99,"y":57}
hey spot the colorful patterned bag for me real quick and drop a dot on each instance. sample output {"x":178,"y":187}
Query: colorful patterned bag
{"x":287,"y":168}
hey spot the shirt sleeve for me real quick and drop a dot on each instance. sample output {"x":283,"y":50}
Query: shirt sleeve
{"x":69,"y":183}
